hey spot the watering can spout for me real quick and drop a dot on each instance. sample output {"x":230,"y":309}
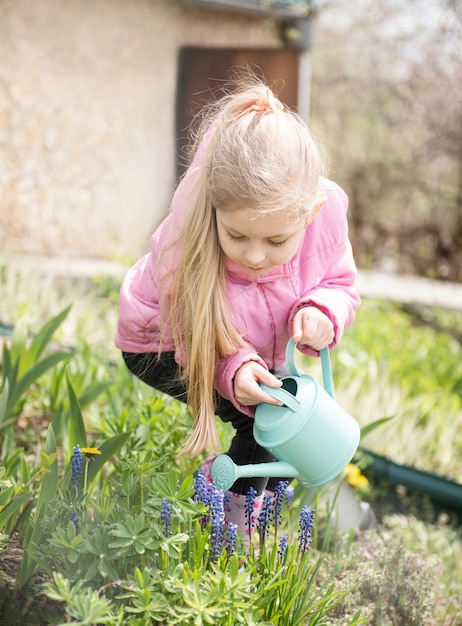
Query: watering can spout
{"x":225,"y":472}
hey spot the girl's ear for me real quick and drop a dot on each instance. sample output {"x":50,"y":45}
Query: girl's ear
{"x":315,"y":210}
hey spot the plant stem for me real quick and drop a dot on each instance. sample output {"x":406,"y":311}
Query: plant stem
{"x":85,"y":478}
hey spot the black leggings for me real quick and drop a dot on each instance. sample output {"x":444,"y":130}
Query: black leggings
{"x":162,"y":374}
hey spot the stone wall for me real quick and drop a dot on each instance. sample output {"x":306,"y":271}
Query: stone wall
{"x":87,"y":91}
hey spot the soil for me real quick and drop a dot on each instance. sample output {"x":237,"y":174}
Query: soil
{"x":28,"y":608}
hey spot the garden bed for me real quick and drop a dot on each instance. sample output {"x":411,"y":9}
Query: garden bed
{"x":88,"y":398}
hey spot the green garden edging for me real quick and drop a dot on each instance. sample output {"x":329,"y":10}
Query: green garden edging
{"x":442,"y":491}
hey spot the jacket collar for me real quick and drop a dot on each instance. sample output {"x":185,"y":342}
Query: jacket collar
{"x":236,"y":272}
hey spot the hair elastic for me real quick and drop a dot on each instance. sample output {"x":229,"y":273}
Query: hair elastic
{"x":262,"y":105}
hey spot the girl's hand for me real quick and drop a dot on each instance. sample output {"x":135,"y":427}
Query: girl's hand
{"x":313,"y":328}
{"x":246,"y":388}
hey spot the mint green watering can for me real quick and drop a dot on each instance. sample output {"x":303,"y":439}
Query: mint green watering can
{"x":312,"y":437}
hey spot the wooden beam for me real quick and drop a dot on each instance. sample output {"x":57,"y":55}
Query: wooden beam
{"x":256,"y":7}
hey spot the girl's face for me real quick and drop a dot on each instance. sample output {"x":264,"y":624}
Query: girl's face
{"x":258,"y":242}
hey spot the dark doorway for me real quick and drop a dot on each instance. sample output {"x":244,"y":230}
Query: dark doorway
{"x":202,"y":70}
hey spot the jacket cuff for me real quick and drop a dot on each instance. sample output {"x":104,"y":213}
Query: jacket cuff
{"x":224,"y":378}
{"x":301,"y":304}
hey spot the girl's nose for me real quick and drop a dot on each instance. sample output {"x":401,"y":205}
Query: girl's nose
{"x":254,"y":255}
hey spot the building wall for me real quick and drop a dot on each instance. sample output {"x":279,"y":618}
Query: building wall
{"x":87,"y":93}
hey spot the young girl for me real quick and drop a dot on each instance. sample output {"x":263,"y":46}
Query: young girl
{"x":255,"y":250}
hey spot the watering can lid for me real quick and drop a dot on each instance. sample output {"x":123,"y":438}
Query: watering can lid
{"x":276,"y":424}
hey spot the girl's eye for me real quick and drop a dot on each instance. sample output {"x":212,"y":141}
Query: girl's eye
{"x":275,"y":244}
{"x":235,"y":237}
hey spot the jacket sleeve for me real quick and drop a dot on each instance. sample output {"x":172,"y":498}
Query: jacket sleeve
{"x":334,"y":292}
{"x":138,"y":326}
{"x":225,"y":372}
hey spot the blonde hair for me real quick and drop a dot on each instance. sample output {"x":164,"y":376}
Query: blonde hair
{"x":259,"y":155}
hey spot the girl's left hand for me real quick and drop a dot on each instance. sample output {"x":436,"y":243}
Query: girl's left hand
{"x":312,"y":328}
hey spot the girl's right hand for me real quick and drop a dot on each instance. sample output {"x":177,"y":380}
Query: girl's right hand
{"x":246,"y":388}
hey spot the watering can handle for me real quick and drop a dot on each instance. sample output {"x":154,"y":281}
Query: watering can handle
{"x":284,"y":396}
{"x":325,"y":366}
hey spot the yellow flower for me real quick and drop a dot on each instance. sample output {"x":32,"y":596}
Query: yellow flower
{"x":90,"y":453}
{"x":354,"y":476}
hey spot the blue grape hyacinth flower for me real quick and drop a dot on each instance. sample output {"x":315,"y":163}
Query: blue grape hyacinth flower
{"x":264,"y":518}
{"x":166,"y":515}
{"x":76,"y":466}
{"x":278,"y":500}
{"x":305,"y":529}
{"x":249,"y":509}
{"x":283,"y":545}
{"x":230,"y":539}
{"x":217,"y":516}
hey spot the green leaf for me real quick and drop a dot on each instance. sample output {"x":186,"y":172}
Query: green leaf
{"x":7,"y":496}
{"x":45,"y":334}
{"x":18,"y":340}
{"x":166,"y":484}
{"x":9,"y":370}
{"x":10,"y":375}
{"x":10,"y":509}
{"x":36,"y":371}
{"x":4,"y":401}
{"x":92,"y":392}
{"x":365,"y":430}
{"x":50,"y":479}
{"x":76,"y":426}
{"x":186,"y":489}
{"x":48,"y":490}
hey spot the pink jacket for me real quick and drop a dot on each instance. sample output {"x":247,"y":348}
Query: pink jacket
{"x":262,"y":307}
